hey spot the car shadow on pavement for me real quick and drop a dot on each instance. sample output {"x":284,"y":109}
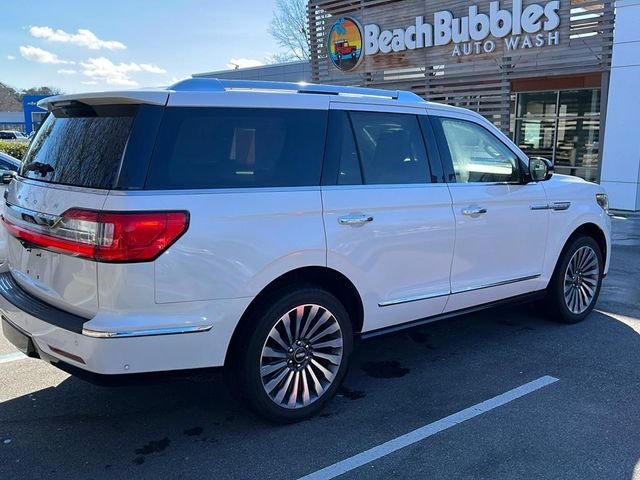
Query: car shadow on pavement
{"x":396,"y":383}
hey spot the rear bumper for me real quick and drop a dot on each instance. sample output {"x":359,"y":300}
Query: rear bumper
{"x":25,"y":344}
{"x":19,"y":298}
{"x":57,"y":337}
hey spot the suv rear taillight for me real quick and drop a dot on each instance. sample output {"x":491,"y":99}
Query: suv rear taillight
{"x":106,"y":236}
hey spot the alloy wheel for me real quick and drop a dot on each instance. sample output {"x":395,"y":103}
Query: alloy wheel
{"x":301,"y":356}
{"x":581,"y":280}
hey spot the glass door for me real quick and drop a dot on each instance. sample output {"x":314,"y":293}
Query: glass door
{"x":561,"y":125}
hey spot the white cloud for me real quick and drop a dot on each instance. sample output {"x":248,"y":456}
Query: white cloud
{"x":39,"y":55}
{"x":146,"y":67}
{"x":84,"y":38}
{"x":67,"y":71}
{"x":244,"y":63}
{"x":103,"y":69}
{"x":10,"y":57}
{"x":90,"y":82}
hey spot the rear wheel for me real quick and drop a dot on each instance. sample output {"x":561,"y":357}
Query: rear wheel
{"x":297,"y":354}
{"x":575,"y":285}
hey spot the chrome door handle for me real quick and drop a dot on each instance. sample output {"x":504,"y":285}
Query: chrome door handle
{"x":472,"y":211}
{"x":356,"y":219}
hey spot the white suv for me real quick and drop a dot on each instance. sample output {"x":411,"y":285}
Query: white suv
{"x":13,"y":135}
{"x":265,"y":226}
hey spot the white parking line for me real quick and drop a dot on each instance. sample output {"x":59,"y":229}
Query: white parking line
{"x":12,"y":357}
{"x":421,"y":433}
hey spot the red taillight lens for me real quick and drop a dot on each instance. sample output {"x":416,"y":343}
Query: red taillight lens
{"x":138,"y":236}
{"x":107,"y":236}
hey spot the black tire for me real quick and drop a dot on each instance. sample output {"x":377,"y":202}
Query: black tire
{"x":556,"y":305}
{"x":250,"y":359}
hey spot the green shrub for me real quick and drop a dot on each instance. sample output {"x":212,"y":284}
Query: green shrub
{"x":15,"y":149}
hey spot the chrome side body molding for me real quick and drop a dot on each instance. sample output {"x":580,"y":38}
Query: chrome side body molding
{"x":558,"y":206}
{"x":416,"y":298}
{"x":413,"y":298}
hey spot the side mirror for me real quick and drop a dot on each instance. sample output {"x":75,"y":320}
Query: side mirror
{"x":7,"y":176}
{"x":540,"y":169}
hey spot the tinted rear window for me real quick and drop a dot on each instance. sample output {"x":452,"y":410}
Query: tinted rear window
{"x":237,"y":147}
{"x":80,"y":145}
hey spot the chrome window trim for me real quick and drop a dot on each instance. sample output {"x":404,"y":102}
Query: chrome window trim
{"x":315,"y":188}
{"x":378,"y":186}
{"x":481,"y":184}
{"x":215,"y":191}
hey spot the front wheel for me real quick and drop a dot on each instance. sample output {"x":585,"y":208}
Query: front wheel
{"x":575,"y":285}
{"x":296,"y":355}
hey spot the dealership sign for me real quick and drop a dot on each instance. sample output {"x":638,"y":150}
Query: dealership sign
{"x":533,"y":26}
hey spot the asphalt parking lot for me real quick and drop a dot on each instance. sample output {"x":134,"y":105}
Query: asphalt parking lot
{"x":584,"y":425}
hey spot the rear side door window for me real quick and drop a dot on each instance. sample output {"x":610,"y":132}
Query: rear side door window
{"x":238,"y":147}
{"x":390,"y":148}
{"x":475,"y":154}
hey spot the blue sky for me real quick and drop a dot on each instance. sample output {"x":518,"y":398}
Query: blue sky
{"x":113,"y":44}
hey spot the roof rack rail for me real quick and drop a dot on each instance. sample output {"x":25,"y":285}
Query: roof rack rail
{"x":220,"y":85}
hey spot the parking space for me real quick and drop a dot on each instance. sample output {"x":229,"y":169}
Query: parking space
{"x":585,"y":425}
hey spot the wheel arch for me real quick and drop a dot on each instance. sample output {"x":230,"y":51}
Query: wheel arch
{"x":327,"y":278}
{"x":586,"y":229}
{"x":591,"y":230}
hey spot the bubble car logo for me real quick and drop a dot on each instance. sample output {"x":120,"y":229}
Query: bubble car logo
{"x":345,"y":44}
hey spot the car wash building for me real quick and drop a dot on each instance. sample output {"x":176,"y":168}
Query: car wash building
{"x":560,"y":77}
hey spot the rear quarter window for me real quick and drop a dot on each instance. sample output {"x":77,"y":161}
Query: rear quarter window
{"x":201,"y":148}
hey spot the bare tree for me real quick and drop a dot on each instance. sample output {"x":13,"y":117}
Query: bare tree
{"x":44,"y":90}
{"x":280,"y":57}
{"x":289,"y":28}
{"x":11,"y":98}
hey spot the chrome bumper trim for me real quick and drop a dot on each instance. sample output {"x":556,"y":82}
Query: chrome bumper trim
{"x":145,"y":333}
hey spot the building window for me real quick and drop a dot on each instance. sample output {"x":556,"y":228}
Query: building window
{"x":562,"y":125}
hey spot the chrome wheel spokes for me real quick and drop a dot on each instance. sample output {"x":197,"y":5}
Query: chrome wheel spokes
{"x":301,"y":356}
{"x":581,"y":280}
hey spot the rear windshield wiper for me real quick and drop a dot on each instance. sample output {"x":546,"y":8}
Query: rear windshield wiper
{"x":42,"y":168}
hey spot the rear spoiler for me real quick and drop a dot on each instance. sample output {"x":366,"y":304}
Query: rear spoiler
{"x":149,"y":97}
